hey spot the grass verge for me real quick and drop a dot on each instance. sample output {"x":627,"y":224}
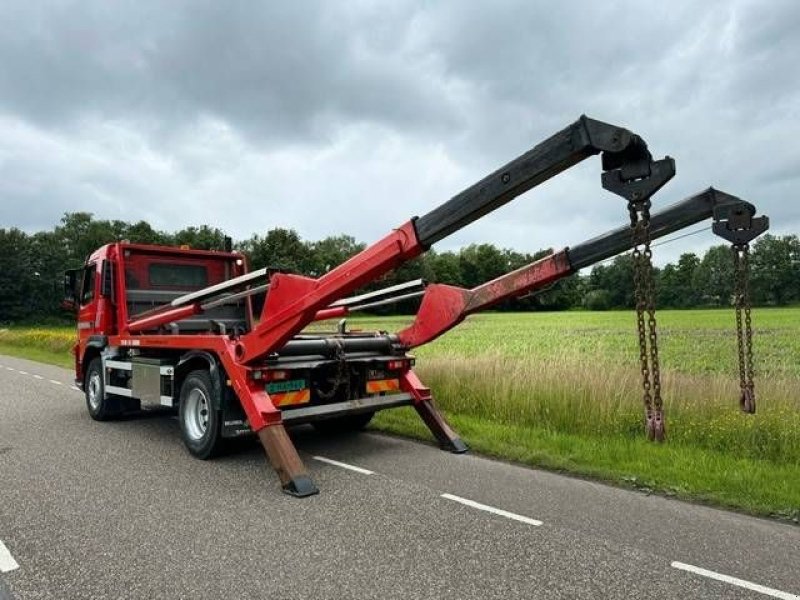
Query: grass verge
{"x":757,"y":487}
{"x":51,"y":345}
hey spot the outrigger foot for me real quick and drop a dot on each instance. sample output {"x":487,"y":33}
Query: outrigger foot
{"x":283,"y":457}
{"x":444,"y":434}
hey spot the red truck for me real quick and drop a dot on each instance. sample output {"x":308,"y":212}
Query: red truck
{"x":175,"y":327}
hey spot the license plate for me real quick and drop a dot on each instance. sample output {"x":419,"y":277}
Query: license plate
{"x":291,"y":385}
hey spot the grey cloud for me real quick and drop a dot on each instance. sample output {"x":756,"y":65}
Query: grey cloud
{"x":281,"y":71}
{"x":333,"y":118}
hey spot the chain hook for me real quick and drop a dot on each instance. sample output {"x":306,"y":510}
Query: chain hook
{"x":739,"y":225}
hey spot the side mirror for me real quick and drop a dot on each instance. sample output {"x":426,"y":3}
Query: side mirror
{"x":71,"y":277}
{"x":107,"y":280}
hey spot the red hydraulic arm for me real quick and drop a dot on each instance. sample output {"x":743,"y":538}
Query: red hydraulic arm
{"x":294,"y":301}
{"x":445,"y":306}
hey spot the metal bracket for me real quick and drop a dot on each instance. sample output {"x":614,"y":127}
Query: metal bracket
{"x":738,"y":224}
{"x":637,"y":181}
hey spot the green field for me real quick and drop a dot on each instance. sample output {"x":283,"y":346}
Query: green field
{"x":561,"y":391}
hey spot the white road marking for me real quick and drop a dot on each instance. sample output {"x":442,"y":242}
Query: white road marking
{"x":336,"y":463}
{"x":492,"y":509}
{"x":23,"y":372}
{"x":38,"y":377}
{"x":7,"y":562}
{"x":53,"y":381}
{"x":77,"y":389}
{"x":10,"y":369}
{"x":735,"y":581}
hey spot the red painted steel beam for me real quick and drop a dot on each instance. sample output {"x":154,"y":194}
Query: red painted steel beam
{"x":445,"y":306}
{"x":154,"y":321}
{"x":293,"y":301}
{"x":331,"y":313}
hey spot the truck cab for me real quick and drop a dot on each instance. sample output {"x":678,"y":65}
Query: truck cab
{"x":120,"y":282}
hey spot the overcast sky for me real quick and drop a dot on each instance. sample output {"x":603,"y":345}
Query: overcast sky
{"x":350,"y":117}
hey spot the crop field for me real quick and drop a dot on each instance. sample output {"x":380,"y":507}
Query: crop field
{"x":562,"y":391}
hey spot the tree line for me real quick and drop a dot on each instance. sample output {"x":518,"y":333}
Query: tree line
{"x":31,"y":267}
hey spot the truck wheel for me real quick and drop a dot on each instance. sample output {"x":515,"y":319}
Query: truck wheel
{"x":101,"y":407}
{"x":344,"y":424}
{"x":201,"y":423}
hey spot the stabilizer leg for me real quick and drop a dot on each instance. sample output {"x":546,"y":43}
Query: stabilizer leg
{"x":423,"y":403}
{"x":444,"y":434}
{"x":283,"y":457}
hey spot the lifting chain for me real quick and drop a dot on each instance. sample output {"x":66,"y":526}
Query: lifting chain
{"x":744,"y":329}
{"x":342,"y":376}
{"x":644,"y":297}
{"x":738,"y":224}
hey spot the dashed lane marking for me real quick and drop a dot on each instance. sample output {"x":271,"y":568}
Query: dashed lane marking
{"x":492,"y":509}
{"x":7,"y":562}
{"x":336,"y":463}
{"x":742,"y":583}
{"x":39,"y":377}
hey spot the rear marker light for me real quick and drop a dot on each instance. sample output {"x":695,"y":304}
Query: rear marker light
{"x":276,"y":375}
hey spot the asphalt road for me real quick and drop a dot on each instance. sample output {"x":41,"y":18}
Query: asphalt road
{"x":120,"y":510}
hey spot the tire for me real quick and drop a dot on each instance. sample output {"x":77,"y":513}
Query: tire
{"x":345,"y":424}
{"x":100,"y":406}
{"x":201,"y":423}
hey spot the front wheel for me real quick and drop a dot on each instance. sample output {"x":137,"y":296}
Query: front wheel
{"x":201,"y":423}
{"x":100,"y":406}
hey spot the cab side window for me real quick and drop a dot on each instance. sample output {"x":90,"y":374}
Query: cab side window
{"x":87,"y":289}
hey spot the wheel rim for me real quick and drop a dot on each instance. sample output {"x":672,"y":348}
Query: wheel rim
{"x":195,"y":415}
{"x":94,"y":391}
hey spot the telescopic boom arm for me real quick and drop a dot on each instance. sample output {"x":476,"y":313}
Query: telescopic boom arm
{"x":293,"y":301}
{"x":445,"y":306}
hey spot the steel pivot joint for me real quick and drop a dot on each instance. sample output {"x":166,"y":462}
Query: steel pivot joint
{"x":638,"y":180}
{"x":738,"y":224}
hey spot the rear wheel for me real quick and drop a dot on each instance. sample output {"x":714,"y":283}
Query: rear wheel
{"x":100,"y":406}
{"x":347,"y":423}
{"x":201,"y":423}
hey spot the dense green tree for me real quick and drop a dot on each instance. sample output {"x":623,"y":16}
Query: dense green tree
{"x":676,"y":283}
{"x":330,"y":252}
{"x":713,"y":278}
{"x":280,"y":248}
{"x":32,"y":265}
{"x":481,"y":262}
{"x":616,"y":279}
{"x":444,"y":266}
{"x":143,"y":233}
{"x":200,"y":238}
{"x":16,"y":275}
{"x":775,"y":268}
